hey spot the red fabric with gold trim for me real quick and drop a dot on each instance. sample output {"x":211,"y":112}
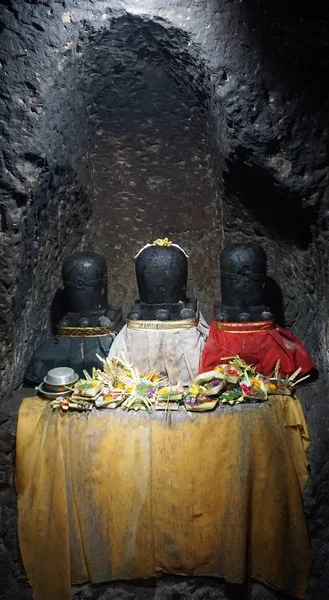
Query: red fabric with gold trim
{"x":260,"y":344}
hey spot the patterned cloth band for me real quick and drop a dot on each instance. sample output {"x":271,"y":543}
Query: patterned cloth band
{"x":163,"y":325}
{"x":84,"y":331}
{"x":257,"y":327}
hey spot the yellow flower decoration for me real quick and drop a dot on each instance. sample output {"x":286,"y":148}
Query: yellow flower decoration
{"x":255,"y":382}
{"x":155,"y":378}
{"x":194,"y":389}
{"x":163,"y":390}
{"x":162,"y":242}
{"x":272,"y":386}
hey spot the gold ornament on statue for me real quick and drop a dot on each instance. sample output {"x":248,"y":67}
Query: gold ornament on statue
{"x":162,"y":242}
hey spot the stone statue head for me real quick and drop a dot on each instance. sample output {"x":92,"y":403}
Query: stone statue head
{"x":85,"y":282}
{"x":243,"y":274}
{"x":161,"y":272}
{"x":243,"y":270}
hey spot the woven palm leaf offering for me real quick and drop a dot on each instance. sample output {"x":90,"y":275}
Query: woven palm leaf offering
{"x":142,"y":394}
{"x":169,"y":397}
{"x":90,"y":387}
{"x":120,"y":384}
{"x":84,"y":394}
{"x":210,"y":383}
{"x":284,"y":386}
{"x":235,"y":382}
{"x":196,"y":398}
{"x":197,"y":401}
{"x":171,"y":393}
{"x":123,"y":385}
{"x":211,"y":387}
{"x":115,"y":376}
{"x":234,"y":369}
{"x":243,"y":383}
{"x":253,"y":389}
{"x":67,"y":403}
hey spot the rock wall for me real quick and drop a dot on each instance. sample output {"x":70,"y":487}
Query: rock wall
{"x":119,"y":119}
{"x":152,"y":160}
{"x":123,"y":120}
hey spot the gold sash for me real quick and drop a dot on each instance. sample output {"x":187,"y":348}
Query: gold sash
{"x":256,"y":327}
{"x":84,"y":331}
{"x":163,"y":325}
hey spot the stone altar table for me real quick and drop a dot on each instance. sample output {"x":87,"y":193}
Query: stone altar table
{"x":114,"y":495}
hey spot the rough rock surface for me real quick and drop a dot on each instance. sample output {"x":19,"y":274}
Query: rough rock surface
{"x":152,"y":160}
{"x":123,"y":120}
{"x":125,"y":116}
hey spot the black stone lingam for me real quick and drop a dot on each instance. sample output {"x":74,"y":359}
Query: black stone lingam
{"x":161,"y":272}
{"x":89,"y":324}
{"x":85,"y":284}
{"x":243,"y":273}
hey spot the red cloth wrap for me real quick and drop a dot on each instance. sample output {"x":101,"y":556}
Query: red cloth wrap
{"x":260,"y":344}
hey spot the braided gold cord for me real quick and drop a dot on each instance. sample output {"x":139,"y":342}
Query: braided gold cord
{"x":162,"y":325}
{"x":256,"y":327}
{"x":84,"y":331}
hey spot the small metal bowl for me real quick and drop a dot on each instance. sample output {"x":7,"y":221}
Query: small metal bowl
{"x":55,"y":389}
{"x":51,"y":395}
{"x":60,"y":376}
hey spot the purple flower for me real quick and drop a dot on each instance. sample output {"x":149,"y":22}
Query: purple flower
{"x":191,"y":401}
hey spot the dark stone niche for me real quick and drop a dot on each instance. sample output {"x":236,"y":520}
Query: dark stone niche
{"x":121,"y":122}
{"x":153,"y":169}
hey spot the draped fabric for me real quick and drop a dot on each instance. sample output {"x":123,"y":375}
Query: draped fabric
{"x":175,"y":353}
{"x":116,"y":495}
{"x":79,"y":353}
{"x":261,"y":348}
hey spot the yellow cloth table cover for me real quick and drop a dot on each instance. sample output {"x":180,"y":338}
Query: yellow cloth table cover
{"x":114,"y":495}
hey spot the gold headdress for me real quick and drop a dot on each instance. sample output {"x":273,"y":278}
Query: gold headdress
{"x":161,"y":242}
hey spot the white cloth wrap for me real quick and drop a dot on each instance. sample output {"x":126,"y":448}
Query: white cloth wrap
{"x":174,"y":354}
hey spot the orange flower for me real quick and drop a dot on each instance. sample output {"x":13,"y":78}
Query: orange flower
{"x":255,"y":382}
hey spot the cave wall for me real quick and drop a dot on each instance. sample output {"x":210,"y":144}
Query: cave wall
{"x":44,"y":201}
{"x":152,"y":164}
{"x":255,"y":82}
{"x":117,"y":134}
{"x":242,"y":74}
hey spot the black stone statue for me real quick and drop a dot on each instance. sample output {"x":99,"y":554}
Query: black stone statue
{"x":85,"y":284}
{"x":89,"y":324}
{"x":161,"y":272}
{"x":243,"y":324}
{"x":243,"y":273}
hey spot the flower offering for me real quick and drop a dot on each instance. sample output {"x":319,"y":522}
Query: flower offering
{"x":120,"y":384}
